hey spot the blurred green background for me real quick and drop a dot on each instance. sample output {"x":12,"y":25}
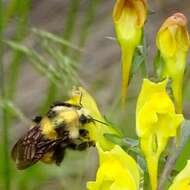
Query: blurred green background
{"x":48,"y":46}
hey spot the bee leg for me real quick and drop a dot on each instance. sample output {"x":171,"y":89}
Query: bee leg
{"x":82,"y":146}
{"x":58,"y":155}
{"x":85,"y":145}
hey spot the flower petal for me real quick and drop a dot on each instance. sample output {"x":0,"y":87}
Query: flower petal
{"x":117,"y":171}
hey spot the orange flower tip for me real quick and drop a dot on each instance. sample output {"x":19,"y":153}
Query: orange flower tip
{"x":180,"y":19}
{"x":177,"y":19}
{"x":138,"y":6}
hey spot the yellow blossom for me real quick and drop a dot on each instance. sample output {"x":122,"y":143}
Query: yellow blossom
{"x":173,"y":43}
{"x":156,"y":122}
{"x":117,"y":171}
{"x":129,"y":17}
{"x":96,"y":129}
{"x":182,"y":180}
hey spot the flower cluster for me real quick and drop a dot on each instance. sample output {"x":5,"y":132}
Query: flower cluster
{"x":158,"y":113}
{"x":117,"y":169}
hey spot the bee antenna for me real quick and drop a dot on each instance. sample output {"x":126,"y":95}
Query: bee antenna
{"x":100,"y":122}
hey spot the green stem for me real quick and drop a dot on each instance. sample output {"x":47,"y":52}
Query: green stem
{"x":23,"y":9}
{"x":6,"y":164}
{"x":88,"y":20}
{"x":6,"y":161}
{"x":70,"y":22}
{"x":10,"y":11}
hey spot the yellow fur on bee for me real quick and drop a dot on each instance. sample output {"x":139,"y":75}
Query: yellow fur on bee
{"x":69,"y":117}
{"x":48,"y":128}
{"x":47,"y":158}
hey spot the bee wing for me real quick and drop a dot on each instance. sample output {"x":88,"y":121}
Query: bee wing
{"x":23,"y":155}
{"x":31,"y":148}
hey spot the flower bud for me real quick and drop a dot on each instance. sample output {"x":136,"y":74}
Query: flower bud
{"x":173,"y":43}
{"x":129,"y":17}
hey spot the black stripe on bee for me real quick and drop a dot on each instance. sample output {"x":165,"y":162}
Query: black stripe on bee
{"x":66,"y":104}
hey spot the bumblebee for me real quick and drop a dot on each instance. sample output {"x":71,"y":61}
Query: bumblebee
{"x":50,"y":135}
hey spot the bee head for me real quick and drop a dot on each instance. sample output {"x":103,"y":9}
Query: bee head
{"x":71,"y":112}
{"x":84,"y":116}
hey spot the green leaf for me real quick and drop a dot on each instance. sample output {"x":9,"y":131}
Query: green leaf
{"x":13,"y":109}
{"x":128,"y":144}
{"x":142,"y":163}
{"x":54,"y":38}
{"x":138,"y":60}
{"x":59,"y":72}
{"x":114,"y":138}
{"x":131,"y":142}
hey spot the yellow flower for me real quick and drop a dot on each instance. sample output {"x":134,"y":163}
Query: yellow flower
{"x":117,"y":171}
{"x":96,"y":130}
{"x":129,"y":17}
{"x":182,"y":180}
{"x":156,"y":122}
{"x":173,"y":43}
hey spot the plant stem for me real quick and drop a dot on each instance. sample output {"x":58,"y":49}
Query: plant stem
{"x":70,"y":22}
{"x":23,"y":10}
{"x":6,"y":164}
{"x":174,"y":154}
{"x":169,"y":165}
{"x":88,"y":20}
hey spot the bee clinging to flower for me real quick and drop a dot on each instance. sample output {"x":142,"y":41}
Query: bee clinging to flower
{"x":51,"y":134}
